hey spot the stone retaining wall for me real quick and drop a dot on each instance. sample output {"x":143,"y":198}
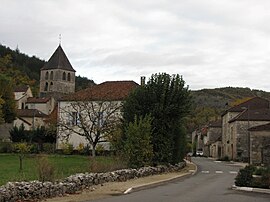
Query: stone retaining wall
{"x":35,"y":190}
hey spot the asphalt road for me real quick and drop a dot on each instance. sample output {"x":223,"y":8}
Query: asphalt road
{"x":212,"y":183}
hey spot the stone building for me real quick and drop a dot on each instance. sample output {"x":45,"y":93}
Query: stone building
{"x":260,"y":145}
{"x":235,"y":122}
{"x":213,"y":134}
{"x":21,"y":94}
{"x":57,"y":77}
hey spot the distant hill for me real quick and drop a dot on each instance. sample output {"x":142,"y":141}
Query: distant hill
{"x":219,"y":97}
{"x":25,"y":70}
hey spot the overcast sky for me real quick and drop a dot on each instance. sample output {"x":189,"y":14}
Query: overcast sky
{"x":212,"y":43}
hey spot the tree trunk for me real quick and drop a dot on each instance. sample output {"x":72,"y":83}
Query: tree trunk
{"x":94,"y":151}
{"x":20,"y":157}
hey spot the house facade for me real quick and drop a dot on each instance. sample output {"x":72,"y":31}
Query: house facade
{"x":260,"y":144}
{"x":88,"y":109}
{"x":21,"y":94}
{"x":235,"y":123}
{"x":45,"y":104}
{"x":213,"y":134}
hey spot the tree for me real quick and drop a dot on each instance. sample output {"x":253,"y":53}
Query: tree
{"x":94,"y":120}
{"x":168,"y":101}
{"x":19,"y":134}
{"x":6,"y":93}
{"x":22,"y":149}
{"x":1,"y":112}
{"x":138,"y":148}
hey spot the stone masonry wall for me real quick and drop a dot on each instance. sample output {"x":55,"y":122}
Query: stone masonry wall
{"x":36,"y":190}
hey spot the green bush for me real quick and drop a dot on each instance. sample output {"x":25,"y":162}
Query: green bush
{"x":48,"y":148}
{"x":244,"y":177}
{"x":67,"y":149}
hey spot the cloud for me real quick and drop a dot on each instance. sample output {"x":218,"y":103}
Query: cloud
{"x":211,"y":43}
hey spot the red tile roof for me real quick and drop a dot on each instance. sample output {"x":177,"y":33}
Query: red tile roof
{"x":37,"y":100}
{"x":21,"y":89}
{"x":30,"y":113}
{"x":107,"y":91}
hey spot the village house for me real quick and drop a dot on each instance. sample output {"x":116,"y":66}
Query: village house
{"x":90,"y":108}
{"x":235,"y":124}
{"x":207,"y":139}
{"x":21,"y":94}
{"x":211,"y":138}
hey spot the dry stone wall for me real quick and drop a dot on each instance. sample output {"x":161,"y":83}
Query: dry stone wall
{"x":36,"y":190}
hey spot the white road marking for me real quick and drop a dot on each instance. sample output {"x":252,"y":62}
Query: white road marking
{"x":219,"y":171}
{"x":233,"y":172}
{"x":217,"y":161}
{"x":205,"y":171}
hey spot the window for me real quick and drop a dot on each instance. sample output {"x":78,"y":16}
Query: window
{"x":51,"y":86}
{"x":51,"y":76}
{"x":47,"y":75}
{"x":46,"y":86}
{"x":64,"y":76}
{"x":74,"y":119}
{"x":68,"y":77}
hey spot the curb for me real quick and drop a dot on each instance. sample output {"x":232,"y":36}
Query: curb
{"x":251,"y":189}
{"x":160,"y":182}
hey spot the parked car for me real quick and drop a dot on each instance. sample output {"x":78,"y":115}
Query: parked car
{"x":199,"y":153}
{"x":189,"y":154}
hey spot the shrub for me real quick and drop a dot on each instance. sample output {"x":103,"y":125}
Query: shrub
{"x":80,"y":148}
{"x":138,"y":147}
{"x":244,"y":177}
{"x":46,"y":170}
{"x":48,"y":148}
{"x":67,"y":148}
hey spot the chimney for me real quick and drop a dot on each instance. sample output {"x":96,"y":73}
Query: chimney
{"x":142,"y":80}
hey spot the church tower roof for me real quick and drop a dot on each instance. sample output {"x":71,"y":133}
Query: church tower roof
{"x":58,"y":60}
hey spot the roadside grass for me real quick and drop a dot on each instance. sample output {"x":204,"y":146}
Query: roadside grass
{"x":64,"y":165}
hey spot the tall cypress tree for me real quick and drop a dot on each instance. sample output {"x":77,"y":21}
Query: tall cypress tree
{"x":168,"y":101}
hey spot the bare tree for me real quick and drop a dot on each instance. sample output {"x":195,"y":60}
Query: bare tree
{"x":92,"y":119}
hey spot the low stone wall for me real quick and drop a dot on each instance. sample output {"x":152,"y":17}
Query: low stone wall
{"x":35,"y":190}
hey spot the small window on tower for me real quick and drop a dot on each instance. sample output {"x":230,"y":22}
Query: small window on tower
{"x":51,"y":86}
{"x":64,"y":76}
{"x":68,"y":77}
{"x":47,"y":75}
{"x":46,"y":86}
{"x":51,"y":76}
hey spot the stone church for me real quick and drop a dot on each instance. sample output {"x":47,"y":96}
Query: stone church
{"x":57,"y":76}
